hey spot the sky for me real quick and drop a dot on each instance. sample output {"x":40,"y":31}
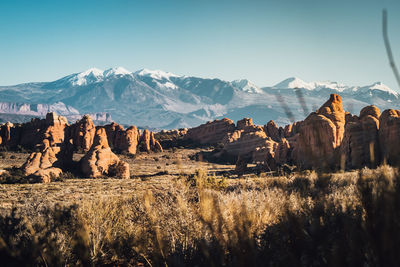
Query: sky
{"x":263,"y":41}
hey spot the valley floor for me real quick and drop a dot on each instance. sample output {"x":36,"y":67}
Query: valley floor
{"x":178,"y":211}
{"x":149,"y":171}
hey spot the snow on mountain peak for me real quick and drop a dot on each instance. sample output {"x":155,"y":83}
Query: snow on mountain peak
{"x":94,"y":71}
{"x":86,"y":77}
{"x":116,"y":71}
{"x":156,"y":74}
{"x":246,"y":86}
{"x":294,"y":82}
{"x":382,"y":87}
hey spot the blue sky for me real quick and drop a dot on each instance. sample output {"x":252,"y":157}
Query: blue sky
{"x":263,"y":41}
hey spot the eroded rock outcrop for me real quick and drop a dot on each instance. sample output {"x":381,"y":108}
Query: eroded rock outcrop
{"x":44,"y":164}
{"x":320,"y":135}
{"x":31,"y":134}
{"x":6,"y":134}
{"x":273,"y":131}
{"x":81,"y":134}
{"x":114,"y":133}
{"x":129,"y":140}
{"x":360,"y":145}
{"x":149,"y":143}
{"x":144,"y":144}
{"x":100,"y":160}
{"x":291,"y":130}
{"x":389,"y":136}
{"x":244,"y":143}
{"x":212,"y":132}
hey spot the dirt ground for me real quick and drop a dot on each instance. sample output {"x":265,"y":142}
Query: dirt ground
{"x":149,"y":171}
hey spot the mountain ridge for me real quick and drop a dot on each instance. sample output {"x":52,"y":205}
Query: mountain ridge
{"x":162,"y":99}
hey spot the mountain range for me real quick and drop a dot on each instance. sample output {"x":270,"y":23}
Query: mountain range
{"x":159,"y":99}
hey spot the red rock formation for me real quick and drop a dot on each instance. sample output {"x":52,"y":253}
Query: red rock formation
{"x":244,"y":123}
{"x":129,"y":140}
{"x":148,"y":142}
{"x":272,"y":130}
{"x":282,"y":152}
{"x":360,"y":146}
{"x":291,"y":130}
{"x":389,"y":136}
{"x":100,"y":160}
{"x":144,"y":144}
{"x":265,"y":155}
{"x":55,"y":128}
{"x":244,"y":143}
{"x":154,"y":144}
{"x":212,"y":132}
{"x":321,"y":133}
{"x":114,"y":134}
{"x":44,"y":164}
{"x":5,"y":133}
{"x":82,"y":133}
{"x":51,"y":128}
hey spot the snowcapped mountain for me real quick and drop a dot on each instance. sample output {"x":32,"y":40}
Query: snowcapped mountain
{"x":247,"y":86}
{"x":162,"y":99}
{"x":294,"y":83}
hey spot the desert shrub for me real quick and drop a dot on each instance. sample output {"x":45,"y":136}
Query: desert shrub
{"x":201,"y":179}
{"x":14,"y":175}
{"x":58,"y":239}
{"x":311,"y":219}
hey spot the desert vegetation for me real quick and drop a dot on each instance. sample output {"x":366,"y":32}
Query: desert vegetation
{"x":190,"y":213}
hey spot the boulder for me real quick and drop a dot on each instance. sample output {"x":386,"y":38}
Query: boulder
{"x":46,"y":175}
{"x":100,"y":160}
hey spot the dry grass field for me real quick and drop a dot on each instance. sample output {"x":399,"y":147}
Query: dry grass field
{"x":176,"y":211}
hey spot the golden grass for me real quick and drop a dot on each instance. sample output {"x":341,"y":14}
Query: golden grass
{"x":192,"y":217}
